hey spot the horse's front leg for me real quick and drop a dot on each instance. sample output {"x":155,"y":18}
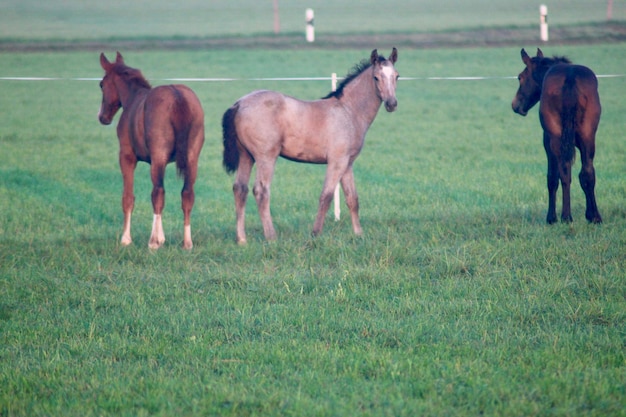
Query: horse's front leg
{"x":128,"y":163}
{"x":261,"y":191}
{"x":333,"y":174}
{"x":352,"y":199}
{"x":157,"y":172}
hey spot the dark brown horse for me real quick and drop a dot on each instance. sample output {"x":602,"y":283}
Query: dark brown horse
{"x":264,"y":125}
{"x":569,"y":111}
{"x":158,"y":126}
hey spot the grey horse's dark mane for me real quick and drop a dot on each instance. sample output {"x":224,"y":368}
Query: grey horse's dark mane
{"x":354,"y":72}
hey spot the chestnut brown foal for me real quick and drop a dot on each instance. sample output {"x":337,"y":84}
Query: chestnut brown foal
{"x":158,"y":126}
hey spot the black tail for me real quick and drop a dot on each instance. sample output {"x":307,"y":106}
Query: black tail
{"x":231,"y":152}
{"x":568,"y":117}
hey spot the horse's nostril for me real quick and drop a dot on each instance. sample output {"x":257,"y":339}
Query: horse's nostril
{"x":390,"y":105}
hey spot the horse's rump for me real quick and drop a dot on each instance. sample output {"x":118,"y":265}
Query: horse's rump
{"x":568,"y":92}
{"x":178,"y":106}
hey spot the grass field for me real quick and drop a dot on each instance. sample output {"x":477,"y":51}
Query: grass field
{"x":458,"y":300}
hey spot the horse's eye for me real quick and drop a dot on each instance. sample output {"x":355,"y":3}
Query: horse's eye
{"x":375,"y":78}
{"x":100,"y":84}
{"x":397,"y":77}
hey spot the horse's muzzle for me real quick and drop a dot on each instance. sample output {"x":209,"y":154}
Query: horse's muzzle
{"x":391,"y":105}
{"x":104,"y":120}
{"x":517,"y":108}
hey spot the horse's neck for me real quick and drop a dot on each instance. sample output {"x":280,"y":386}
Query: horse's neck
{"x":543,"y":70}
{"x":129,"y":92}
{"x":360,"y":97}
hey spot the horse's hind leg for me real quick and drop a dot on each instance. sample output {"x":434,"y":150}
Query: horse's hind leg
{"x":240,"y":191}
{"x":565,"y":172}
{"x":261,"y":191}
{"x":157,"y":172}
{"x":587,"y":179}
{"x":196,"y":140}
{"x":552,"y":181}
{"x":352,"y":199}
{"x":128,"y":163}
{"x":333,"y":174}
{"x":187,"y":200}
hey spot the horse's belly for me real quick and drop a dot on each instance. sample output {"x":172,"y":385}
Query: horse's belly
{"x":304,"y":157}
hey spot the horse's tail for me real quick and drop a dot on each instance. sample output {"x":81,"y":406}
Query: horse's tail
{"x":231,"y":152}
{"x":182,"y":123}
{"x":568,"y":117}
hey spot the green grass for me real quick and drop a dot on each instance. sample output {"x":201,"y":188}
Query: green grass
{"x":119,"y":19}
{"x":458,"y":300}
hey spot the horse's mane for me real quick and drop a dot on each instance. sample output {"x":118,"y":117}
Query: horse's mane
{"x":132,"y":75}
{"x":354,"y":72}
{"x":548,"y":62}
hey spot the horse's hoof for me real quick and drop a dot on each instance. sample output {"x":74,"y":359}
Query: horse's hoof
{"x":155,"y":245}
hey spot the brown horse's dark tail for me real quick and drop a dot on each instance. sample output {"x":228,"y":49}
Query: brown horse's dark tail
{"x":231,"y":152}
{"x":568,"y":117}
{"x":182,"y":124}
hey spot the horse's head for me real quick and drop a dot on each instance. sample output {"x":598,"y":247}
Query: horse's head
{"x":529,"y":91}
{"x":385,"y":78}
{"x":111,"y":102}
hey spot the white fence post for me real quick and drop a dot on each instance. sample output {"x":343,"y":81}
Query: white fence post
{"x":543,"y":19}
{"x":310,"y":29}
{"x":336,"y":196}
{"x":276,"y":18}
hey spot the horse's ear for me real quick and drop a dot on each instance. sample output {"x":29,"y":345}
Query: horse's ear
{"x":525,"y":57}
{"x":394,"y":55}
{"x":118,"y":58}
{"x":539,"y":53}
{"x":374,"y":57}
{"x":104,"y":62}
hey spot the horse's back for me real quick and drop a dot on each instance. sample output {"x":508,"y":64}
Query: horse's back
{"x":269,"y":113}
{"x":262,"y":103}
